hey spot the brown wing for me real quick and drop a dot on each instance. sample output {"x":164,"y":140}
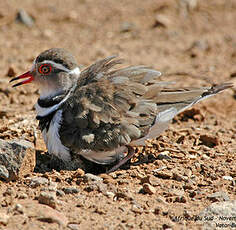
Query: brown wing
{"x":109,"y":109}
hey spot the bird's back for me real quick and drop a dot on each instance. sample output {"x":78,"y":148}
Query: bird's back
{"x":113,"y":108}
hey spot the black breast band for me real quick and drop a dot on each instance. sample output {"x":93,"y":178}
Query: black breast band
{"x":44,"y":121}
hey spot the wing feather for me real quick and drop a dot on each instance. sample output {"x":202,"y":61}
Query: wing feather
{"x":112,"y":108}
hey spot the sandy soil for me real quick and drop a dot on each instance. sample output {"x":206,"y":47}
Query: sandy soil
{"x":195,"y":45}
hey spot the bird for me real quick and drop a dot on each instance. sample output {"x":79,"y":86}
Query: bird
{"x":103,"y":112}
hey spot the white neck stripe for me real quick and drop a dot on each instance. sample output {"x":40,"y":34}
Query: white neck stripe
{"x":57,"y":65}
{"x":42,"y":112}
{"x":75,"y":71}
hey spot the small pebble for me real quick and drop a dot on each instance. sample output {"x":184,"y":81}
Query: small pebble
{"x":37,"y":181}
{"x":73,"y":226}
{"x":19,"y":208}
{"x":78,"y":173}
{"x":107,"y":179}
{"x":110,"y":194}
{"x":178,"y":177}
{"x":96,"y":186}
{"x":163,"y":175}
{"x":161,"y":200}
{"x":228,"y":178}
{"x":136,"y":209}
{"x":60,"y":193}
{"x":125,"y":194}
{"x":192,"y":156}
{"x":24,"y":18}
{"x":205,"y":157}
{"x":90,"y":177}
{"x":149,"y":189}
{"x":70,"y":190}
{"x":164,"y":156}
{"x":48,"y":199}
{"x":150,"y":179}
{"x":161,"y":21}
{"x":22,"y":195}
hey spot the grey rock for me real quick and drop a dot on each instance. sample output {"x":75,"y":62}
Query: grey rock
{"x":70,"y":190}
{"x":4,"y":174}
{"x":164,"y":156}
{"x":60,"y":193}
{"x":24,"y":18}
{"x":218,"y":196}
{"x":22,"y":195}
{"x":90,"y":177}
{"x":96,"y":186}
{"x":17,"y":157}
{"x":219,"y":215}
{"x":37,"y":181}
{"x":51,"y":186}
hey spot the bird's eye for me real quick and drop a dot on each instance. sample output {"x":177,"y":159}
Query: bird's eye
{"x":45,"y":69}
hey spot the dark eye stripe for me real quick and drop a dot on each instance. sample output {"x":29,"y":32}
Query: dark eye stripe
{"x":45,"y":69}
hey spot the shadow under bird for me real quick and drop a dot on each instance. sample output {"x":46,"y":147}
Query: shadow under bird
{"x":101,"y":113}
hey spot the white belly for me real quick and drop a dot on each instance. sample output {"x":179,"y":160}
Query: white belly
{"x":52,"y":139}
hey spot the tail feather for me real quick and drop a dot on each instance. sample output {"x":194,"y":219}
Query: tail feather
{"x":217,"y":88}
{"x":183,"y":99}
{"x":170,"y":108}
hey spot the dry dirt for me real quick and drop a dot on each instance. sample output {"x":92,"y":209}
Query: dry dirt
{"x":195,"y":45}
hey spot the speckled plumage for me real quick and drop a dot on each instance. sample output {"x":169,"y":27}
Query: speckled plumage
{"x":106,"y":111}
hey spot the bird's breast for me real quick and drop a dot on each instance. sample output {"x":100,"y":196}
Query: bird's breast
{"x":50,"y":127}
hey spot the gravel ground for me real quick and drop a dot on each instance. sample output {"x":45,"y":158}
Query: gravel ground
{"x":186,"y":178}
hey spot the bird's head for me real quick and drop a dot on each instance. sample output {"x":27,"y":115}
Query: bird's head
{"x":54,"y":71}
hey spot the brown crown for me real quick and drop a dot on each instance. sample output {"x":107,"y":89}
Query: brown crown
{"x":58,"y":55}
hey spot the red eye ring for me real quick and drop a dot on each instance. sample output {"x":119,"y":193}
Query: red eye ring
{"x":45,"y":69}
